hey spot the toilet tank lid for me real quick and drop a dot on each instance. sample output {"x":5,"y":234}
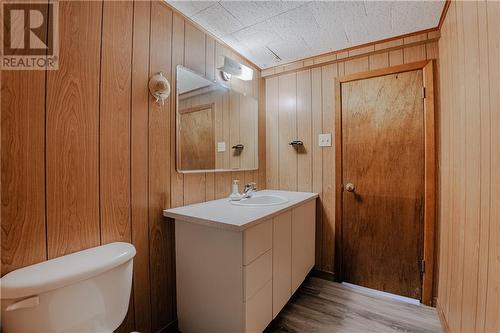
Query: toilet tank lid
{"x":65,"y":270}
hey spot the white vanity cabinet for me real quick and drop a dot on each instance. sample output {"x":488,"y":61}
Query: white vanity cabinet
{"x":293,"y":251}
{"x":237,"y":277}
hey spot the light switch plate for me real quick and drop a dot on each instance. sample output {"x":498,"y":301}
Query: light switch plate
{"x":325,"y":140}
{"x":221,"y":147}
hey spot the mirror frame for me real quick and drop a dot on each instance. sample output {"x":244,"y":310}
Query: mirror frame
{"x":177,"y":124}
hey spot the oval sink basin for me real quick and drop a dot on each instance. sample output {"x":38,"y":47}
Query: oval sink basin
{"x":261,"y":200}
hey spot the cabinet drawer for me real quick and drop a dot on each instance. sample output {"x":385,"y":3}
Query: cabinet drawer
{"x":259,"y":310}
{"x":257,"y":240}
{"x":257,"y":274}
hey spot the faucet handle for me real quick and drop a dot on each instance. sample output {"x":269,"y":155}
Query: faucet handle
{"x":251,"y":186}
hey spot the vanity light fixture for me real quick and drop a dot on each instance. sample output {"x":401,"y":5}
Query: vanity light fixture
{"x":233,"y":68}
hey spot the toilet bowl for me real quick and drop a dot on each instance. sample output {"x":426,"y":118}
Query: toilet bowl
{"x":86,"y":291}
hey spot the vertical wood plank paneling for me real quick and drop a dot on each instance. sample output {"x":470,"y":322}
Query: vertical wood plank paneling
{"x":470,"y":76}
{"x":304,"y":131}
{"x":22,"y":169}
{"x":114,"y":129}
{"x":210,"y":73}
{"x":161,"y":241}
{"x":485,"y":218}
{"x":177,"y":179}
{"x":328,"y":219}
{"x":262,"y":135}
{"x":72,"y":132}
{"x":272,"y":108}
{"x":472,"y":166}
{"x":492,"y":323}
{"x":222,"y":184}
{"x":317,"y":157}
{"x":139,"y":165}
{"x":248,"y":131}
{"x":234,"y":128}
{"x":194,"y":58}
{"x":453,"y":152}
{"x":414,"y":53}
{"x":380,"y":60}
{"x":396,"y":57}
{"x":356,"y":65}
{"x":444,"y":168}
{"x":287,"y":131}
{"x":461,"y":194}
{"x":432,"y":51}
{"x":114,"y":137}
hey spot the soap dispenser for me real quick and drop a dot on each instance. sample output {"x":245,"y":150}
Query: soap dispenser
{"x":235,"y":191}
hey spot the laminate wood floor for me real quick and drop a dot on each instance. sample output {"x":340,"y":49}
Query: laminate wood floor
{"x":324,"y":306}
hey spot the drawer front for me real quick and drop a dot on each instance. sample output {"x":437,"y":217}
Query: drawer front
{"x":259,"y":310}
{"x":257,"y":274}
{"x":257,"y":240}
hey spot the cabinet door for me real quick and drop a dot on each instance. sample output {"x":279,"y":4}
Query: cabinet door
{"x":282,"y":260}
{"x":303,"y":240}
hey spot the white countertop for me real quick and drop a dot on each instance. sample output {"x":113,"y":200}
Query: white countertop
{"x":222,"y":214}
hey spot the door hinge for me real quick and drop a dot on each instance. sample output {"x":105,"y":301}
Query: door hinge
{"x":423,"y":92}
{"x":422,"y":266}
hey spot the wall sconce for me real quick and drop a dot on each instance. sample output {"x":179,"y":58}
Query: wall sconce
{"x":159,"y":88}
{"x":232,"y":68}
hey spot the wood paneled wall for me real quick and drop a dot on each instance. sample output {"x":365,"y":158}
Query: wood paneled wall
{"x":469,"y":50}
{"x":88,"y":157}
{"x":300,"y":105}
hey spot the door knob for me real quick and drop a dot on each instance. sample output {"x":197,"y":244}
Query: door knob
{"x":349,"y":187}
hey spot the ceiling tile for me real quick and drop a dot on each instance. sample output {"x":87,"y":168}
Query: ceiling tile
{"x":190,"y":8}
{"x":252,"y":12}
{"x":292,"y":48}
{"x":296,"y":22}
{"x":258,"y":34}
{"x":331,"y":34}
{"x":298,"y":29}
{"x":217,"y":20}
{"x":403,"y":15}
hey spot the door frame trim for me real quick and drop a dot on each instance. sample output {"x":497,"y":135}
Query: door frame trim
{"x":427,"y":67}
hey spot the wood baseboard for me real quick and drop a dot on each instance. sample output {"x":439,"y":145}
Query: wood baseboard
{"x":442,"y":318}
{"x":330,"y":276}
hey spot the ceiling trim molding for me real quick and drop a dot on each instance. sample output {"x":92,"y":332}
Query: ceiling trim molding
{"x":268,"y":72}
{"x":356,"y":47}
{"x":217,"y":39}
{"x":443,"y":14}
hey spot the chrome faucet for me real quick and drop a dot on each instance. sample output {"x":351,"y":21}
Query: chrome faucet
{"x":250,"y":188}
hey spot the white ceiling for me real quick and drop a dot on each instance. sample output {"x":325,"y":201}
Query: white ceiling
{"x":299,"y":29}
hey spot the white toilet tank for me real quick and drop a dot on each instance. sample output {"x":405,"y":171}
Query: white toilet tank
{"x":86,"y":291}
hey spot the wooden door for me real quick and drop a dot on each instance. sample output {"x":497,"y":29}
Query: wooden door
{"x":383,"y":157}
{"x":197,"y":139}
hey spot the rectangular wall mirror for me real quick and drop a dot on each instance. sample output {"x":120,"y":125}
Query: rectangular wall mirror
{"x":217,"y":128}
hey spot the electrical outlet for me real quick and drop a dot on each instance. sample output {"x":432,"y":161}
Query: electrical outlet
{"x":221,"y":147}
{"x":325,"y":140}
